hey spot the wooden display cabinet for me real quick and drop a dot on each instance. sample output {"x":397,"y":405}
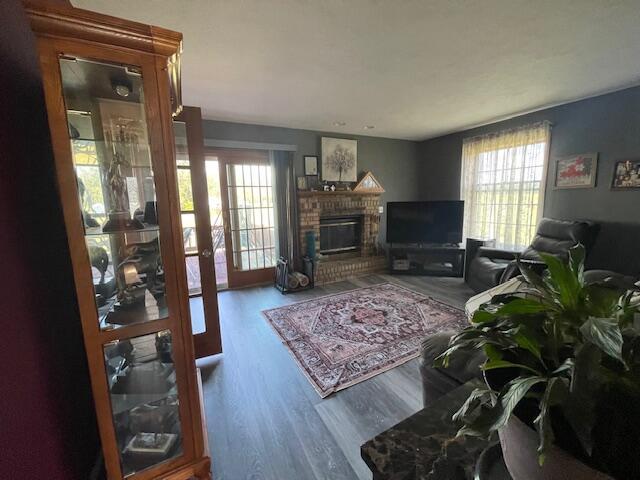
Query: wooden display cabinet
{"x":111,"y":87}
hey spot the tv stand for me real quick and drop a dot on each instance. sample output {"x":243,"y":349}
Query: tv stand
{"x":438,"y":260}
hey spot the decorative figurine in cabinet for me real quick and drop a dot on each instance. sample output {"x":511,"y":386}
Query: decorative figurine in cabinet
{"x":109,"y":87}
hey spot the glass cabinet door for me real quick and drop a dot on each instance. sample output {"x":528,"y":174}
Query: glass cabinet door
{"x":144,"y":400}
{"x":116,"y":189}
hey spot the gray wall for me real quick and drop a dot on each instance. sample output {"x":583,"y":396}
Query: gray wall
{"x":395,"y":163}
{"x":608,"y":124}
{"x":430,"y":170}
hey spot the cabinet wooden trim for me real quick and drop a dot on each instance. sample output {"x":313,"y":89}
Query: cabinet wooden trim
{"x":76,"y":23}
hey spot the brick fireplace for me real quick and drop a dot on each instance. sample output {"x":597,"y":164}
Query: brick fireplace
{"x":346,"y":226}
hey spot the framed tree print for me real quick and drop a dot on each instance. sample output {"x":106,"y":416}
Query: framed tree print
{"x":339,"y":160}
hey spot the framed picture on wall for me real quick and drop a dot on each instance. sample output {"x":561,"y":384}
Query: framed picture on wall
{"x":576,"y":171}
{"x":310,"y":165}
{"x":301,"y":183}
{"x":626,"y":174}
{"x":339,"y":160}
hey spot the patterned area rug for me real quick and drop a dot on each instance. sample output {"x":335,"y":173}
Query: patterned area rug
{"x":342,"y":339}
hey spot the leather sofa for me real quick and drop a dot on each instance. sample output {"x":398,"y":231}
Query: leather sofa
{"x":614,"y":255}
{"x":491,"y":266}
{"x":463,"y":366}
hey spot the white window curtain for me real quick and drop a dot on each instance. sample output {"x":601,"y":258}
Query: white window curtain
{"x":503,"y":179}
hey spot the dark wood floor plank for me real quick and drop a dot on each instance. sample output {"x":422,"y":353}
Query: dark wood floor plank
{"x":266,"y":422}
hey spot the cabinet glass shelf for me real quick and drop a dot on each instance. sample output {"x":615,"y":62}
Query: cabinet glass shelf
{"x":97,"y":231}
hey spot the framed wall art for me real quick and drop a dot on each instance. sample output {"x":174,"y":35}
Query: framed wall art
{"x":626,"y":174}
{"x":576,"y":171}
{"x":310,"y":165}
{"x":339,"y":160}
{"x":301,"y":183}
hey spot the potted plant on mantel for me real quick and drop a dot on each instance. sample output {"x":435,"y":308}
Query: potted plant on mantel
{"x":563,"y":358}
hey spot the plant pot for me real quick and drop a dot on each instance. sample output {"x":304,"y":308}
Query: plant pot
{"x":519,"y":448}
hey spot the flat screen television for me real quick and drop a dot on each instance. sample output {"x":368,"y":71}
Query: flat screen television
{"x":437,"y":222}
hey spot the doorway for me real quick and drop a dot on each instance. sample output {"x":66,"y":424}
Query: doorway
{"x":248,"y":215}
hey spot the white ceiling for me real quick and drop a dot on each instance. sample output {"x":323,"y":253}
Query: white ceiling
{"x":414,"y":69}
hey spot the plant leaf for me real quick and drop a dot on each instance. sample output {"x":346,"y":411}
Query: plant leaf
{"x":495,"y":364}
{"x":491,"y":419}
{"x":525,"y":340}
{"x":475,"y":399}
{"x":473,"y":339}
{"x":554,"y":394}
{"x":562,"y":281}
{"x":585,"y":382}
{"x":576,"y":261}
{"x":492,"y":352}
{"x":602,"y":301}
{"x":628,"y":311}
{"x":521,"y":306}
{"x":482,"y":316}
{"x":532,"y":277}
{"x":605,"y":334}
{"x":568,"y":364}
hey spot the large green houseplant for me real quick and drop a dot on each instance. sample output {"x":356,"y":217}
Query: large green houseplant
{"x":564,"y":356}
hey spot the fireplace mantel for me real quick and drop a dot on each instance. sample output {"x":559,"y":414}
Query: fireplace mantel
{"x":312,"y":193}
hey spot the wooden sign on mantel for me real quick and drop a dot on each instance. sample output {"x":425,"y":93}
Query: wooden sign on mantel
{"x":368,"y":183}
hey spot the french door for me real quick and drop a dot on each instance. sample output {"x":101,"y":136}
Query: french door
{"x":246,"y":184}
{"x":197,"y":232}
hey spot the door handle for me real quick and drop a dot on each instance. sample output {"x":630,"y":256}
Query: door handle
{"x":206,"y":253}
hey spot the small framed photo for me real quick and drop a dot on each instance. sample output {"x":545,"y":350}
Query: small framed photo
{"x":301,"y":183}
{"x":310,"y":165}
{"x":626,"y":174}
{"x":576,"y":171}
{"x":312,"y":182}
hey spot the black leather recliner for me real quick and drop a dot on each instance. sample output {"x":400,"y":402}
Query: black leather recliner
{"x":491,"y":266}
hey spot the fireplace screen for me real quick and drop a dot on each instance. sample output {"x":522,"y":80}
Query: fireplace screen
{"x":340,"y":234}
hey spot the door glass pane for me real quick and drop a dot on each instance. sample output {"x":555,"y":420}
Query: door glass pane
{"x":189,"y":233}
{"x":180,"y":136}
{"x":193,"y":275}
{"x":184,"y":189}
{"x":198,"y":324}
{"x":116,"y":188}
{"x":144,"y":400}
{"x":217,"y":221}
{"x":251,"y":213}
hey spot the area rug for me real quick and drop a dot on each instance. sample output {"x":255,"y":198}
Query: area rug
{"x":342,"y":339}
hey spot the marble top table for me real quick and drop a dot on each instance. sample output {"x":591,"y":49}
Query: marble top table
{"x":424,"y":446}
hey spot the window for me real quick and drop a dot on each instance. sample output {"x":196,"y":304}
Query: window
{"x":503,"y":177}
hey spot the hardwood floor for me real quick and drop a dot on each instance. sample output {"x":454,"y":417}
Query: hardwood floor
{"x":264,"y":419}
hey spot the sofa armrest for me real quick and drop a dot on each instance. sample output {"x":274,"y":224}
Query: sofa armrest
{"x":513,"y":270}
{"x":496,"y":253}
{"x":463,"y":366}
